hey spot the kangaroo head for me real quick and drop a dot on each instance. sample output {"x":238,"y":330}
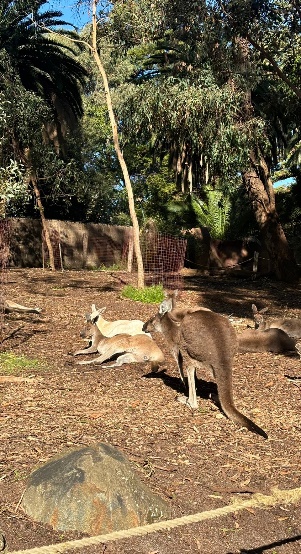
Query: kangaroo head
{"x":258,"y":315}
{"x":88,"y":330}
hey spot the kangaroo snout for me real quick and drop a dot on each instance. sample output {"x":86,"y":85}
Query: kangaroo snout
{"x":83,"y":334}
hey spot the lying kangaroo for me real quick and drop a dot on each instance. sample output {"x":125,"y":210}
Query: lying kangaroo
{"x":197,"y":339}
{"x":270,"y":340}
{"x":112,"y":328}
{"x":8,"y":306}
{"x":290,"y":326}
{"x":137,"y":348}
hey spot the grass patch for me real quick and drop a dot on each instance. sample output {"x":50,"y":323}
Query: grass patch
{"x":149,"y":295}
{"x":121,"y":266}
{"x":11,"y":364}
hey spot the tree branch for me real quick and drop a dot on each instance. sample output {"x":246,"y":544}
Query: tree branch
{"x":275,"y":66}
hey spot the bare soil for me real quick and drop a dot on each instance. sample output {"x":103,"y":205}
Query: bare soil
{"x":195,"y":460}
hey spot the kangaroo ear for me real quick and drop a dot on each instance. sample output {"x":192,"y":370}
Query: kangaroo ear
{"x":254,"y":309}
{"x":94,"y":318}
{"x":263,"y":311}
{"x":101,"y":310}
{"x":95,"y":313}
{"x":165,"y":306}
{"x":88,"y":317}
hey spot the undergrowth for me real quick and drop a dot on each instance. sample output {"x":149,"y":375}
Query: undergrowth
{"x":149,"y":295}
{"x":11,"y":364}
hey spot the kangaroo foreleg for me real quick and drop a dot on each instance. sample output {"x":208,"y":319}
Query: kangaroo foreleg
{"x":105,"y":355}
{"x":90,"y":350}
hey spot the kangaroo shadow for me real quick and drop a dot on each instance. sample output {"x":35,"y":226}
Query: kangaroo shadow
{"x":22,"y":335}
{"x":270,"y":546}
{"x":204,"y":389}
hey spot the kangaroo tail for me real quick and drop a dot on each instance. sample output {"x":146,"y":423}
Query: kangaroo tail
{"x":235,"y":415}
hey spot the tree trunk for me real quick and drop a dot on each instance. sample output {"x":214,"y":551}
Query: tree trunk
{"x":127,"y":181}
{"x":32,"y":178}
{"x":36,"y":190}
{"x":260,"y":191}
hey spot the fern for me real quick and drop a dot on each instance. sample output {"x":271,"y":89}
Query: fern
{"x":214,"y":212}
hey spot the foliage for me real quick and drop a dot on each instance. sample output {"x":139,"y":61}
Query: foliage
{"x":214,"y":213}
{"x":44,"y":64}
{"x":271,"y":30}
{"x":204,"y":119}
{"x":12,"y":186}
{"x":153,"y":294}
{"x":41,"y":98}
{"x":188,"y":94}
{"x":11,"y":364}
{"x":242,"y":222}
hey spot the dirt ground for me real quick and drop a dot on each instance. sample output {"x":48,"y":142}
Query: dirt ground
{"x":195,"y":460}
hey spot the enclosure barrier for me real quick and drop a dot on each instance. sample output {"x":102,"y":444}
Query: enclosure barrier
{"x":257,"y":501}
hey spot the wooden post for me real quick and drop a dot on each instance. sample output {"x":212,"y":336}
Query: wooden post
{"x":130,"y":254}
{"x":255,"y":263}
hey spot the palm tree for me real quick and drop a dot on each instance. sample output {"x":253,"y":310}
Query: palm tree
{"x":45,"y":64}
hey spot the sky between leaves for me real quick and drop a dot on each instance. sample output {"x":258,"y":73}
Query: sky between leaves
{"x":72,"y":13}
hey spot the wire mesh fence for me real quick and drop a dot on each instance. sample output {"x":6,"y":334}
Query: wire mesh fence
{"x":93,"y":246}
{"x":4,"y":261}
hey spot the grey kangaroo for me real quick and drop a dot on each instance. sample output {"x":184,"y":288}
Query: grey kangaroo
{"x":290,"y":326}
{"x":199,"y":338}
{"x":270,"y":340}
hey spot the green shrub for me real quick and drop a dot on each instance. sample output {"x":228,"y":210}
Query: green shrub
{"x":149,"y":295}
{"x":11,"y":364}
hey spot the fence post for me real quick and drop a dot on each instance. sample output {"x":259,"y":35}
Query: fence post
{"x":255,"y":263}
{"x":130,"y":254}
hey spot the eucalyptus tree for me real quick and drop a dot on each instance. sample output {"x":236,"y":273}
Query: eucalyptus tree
{"x":44,"y":64}
{"x":194,"y":81}
{"x":268,"y":34}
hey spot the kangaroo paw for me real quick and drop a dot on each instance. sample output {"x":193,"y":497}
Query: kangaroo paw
{"x":185,"y":400}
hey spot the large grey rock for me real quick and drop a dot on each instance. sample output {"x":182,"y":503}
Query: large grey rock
{"x":93,"y":490}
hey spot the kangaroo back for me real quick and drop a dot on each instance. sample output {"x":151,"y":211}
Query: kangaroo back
{"x":291,"y":327}
{"x":112,"y":328}
{"x":270,"y":340}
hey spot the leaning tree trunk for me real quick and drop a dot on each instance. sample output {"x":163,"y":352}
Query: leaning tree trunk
{"x":127,"y":181}
{"x":36,"y":190}
{"x":260,"y":191}
{"x":32,"y":179}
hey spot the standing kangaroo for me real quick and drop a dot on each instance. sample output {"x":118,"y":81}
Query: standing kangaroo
{"x":199,"y":338}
